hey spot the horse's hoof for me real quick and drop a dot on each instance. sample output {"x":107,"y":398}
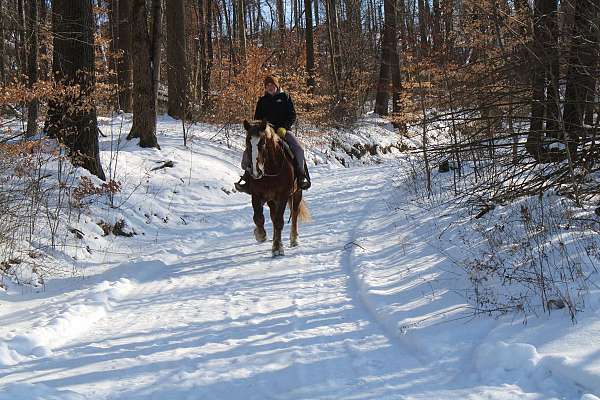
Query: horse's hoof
{"x":278,"y":253}
{"x":260,"y":236}
{"x":293,"y":242}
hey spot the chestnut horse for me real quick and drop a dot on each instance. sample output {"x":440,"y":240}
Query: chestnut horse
{"x":273,"y":182}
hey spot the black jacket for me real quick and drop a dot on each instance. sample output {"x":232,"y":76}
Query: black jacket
{"x":278,"y":110}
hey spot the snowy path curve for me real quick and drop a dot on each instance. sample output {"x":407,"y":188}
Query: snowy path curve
{"x":212,"y":315}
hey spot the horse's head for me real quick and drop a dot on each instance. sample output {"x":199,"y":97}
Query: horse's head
{"x":257,"y":135}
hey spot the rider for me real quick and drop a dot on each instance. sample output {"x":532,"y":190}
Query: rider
{"x":277,"y":108}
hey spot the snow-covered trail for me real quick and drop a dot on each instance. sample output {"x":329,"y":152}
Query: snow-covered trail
{"x":202,"y":311}
{"x":214,"y":316}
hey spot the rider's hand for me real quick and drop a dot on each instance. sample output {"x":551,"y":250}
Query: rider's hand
{"x":281,"y":132}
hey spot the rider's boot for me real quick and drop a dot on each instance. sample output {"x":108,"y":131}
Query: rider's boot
{"x":303,"y":180}
{"x":243,"y":185}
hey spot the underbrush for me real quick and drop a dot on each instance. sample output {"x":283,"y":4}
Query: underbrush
{"x":522,"y":252}
{"x":40,"y":194}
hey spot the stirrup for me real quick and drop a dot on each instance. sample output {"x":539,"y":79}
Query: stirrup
{"x":242,"y":187}
{"x":304,"y":183}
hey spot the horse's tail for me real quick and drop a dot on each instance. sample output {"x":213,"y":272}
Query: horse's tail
{"x":304,"y":212}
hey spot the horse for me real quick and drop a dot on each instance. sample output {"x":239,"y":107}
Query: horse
{"x":274,"y":183}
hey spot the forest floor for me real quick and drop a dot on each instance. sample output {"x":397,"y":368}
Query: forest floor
{"x":369,"y":306}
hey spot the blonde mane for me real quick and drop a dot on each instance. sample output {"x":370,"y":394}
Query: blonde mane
{"x":270,"y":133}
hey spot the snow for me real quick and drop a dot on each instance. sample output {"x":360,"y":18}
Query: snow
{"x":371,"y":304}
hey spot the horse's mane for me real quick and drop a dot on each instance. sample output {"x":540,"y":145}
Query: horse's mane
{"x":271,"y":134}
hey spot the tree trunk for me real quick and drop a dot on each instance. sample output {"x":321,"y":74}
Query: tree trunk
{"x":155,"y":54}
{"x":395,"y":65}
{"x":316,"y":13}
{"x":32,"y":63}
{"x":423,"y":26}
{"x":281,"y":24}
{"x":310,"y":48}
{"x":448,"y":11}
{"x":176,"y":61}
{"x":335,"y":66}
{"x":436,"y":28}
{"x":124,"y":72}
{"x":21,"y":52}
{"x":2,"y":48}
{"x":387,"y":52}
{"x":72,"y":115}
{"x":209,"y":55}
{"x":581,"y":60}
{"x":113,"y":16}
{"x":144,"y":94}
{"x":241,"y":28}
{"x":543,"y":65}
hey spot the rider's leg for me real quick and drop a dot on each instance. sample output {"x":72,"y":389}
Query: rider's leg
{"x":242,"y":184}
{"x":291,"y":140}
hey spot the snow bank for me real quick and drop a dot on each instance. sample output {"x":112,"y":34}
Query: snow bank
{"x":38,"y":391}
{"x":70,"y":323}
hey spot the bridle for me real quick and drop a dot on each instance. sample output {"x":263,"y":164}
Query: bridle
{"x":280,"y":168}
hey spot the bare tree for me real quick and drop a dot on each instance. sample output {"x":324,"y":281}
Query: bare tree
{"x":32,"y":66}
{"x":176,"y":59}
{"x":124,"y":71}
{"x":387,"y":54}
{"x":72,"y":114}
{"x":310,"y":48}
{"x":144,"y":69}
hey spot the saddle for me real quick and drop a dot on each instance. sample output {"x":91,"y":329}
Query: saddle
{"x":287,"y":150}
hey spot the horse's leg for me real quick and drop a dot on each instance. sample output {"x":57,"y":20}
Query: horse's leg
{"x":277,"y":209}
{"x":259,"y":219}
{"x":295,"y":210}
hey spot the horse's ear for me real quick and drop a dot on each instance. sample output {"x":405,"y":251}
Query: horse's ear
{"x":246,"y":125}
{"x":263,"y":125}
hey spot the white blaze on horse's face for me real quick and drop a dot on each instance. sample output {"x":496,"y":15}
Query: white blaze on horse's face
{"x":257,"y":167}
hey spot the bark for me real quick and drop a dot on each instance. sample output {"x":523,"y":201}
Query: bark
{"x":581,"y":61}
{"x":72,"y":116}
{"x":395,"y":64}
{"x":176,"y":60}
{"x":316,"y":13}
{"x":448,"y":11}
{"x":229,"y":30}
{"x":155,"y":54}
{"x":544,"y":68}
{"x":32,"y":66}
{"x":113,"y":15}
{"x":281,"y":24}
{"x":2,"y":49}
{"x":22,"y":50}
{"x":144,"y":93}
{"x":335,"y":68}
{"x":241,"y":27}
{"x":310,"y":48}
{"x":209,"y":55}
{"x":387,"y":52}
{"x":124,"y":71}
{"x":424,"y":45}
{"x":436,"y":28}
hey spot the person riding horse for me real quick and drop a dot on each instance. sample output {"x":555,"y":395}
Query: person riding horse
{"x":277,"y":108}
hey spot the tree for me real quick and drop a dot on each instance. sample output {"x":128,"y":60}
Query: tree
{"x":582,"y":58}
{"x":32,"y":66}
{"x":176,"y":59}
{"x":545,"y":77}
{"x":72,"y":114}
{"x":310,"y":48}
{"x":144,"y":67}
{"x":2,"y":48}
{"x":124,"y":72}
{"x":387,"y":57}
